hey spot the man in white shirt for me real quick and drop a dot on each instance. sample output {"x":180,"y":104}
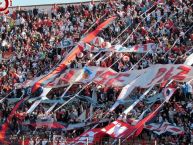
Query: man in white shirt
{"x":31,"y":142}
{"x":189,"y":90}
{"x":44,"y":142}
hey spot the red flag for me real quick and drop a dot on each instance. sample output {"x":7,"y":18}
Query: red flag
{"x":117,"y":129}
{"x":138,"y":128}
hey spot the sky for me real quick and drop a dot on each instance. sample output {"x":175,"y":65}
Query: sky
{"x":41,"y":2}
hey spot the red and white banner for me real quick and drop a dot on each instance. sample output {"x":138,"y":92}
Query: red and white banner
{"x":168,"y":92}
{"x":140,"y":48}
{"x":189,"y":60}
{"x":99,"y":43}
{"x":76,"y":75}
{"x":120,"y":129}
{"x":71,"y":56}
{"x":163,"y":128}
{"x":156,"y":74}
{"x":117,"y":129}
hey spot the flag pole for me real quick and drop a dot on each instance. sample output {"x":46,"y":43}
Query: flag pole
{"x":87,"y":141}
{"x":23,"y":138}
{"x":155,"y":142}
{"x":130,"y":25}
{"x":119,"y":141}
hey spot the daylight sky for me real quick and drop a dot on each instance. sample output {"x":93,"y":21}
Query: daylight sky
{"x":40,"y":2}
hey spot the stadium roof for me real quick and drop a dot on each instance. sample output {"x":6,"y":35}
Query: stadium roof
{"x":43,"y":2}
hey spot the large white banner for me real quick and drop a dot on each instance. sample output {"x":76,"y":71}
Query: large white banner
{"x":99,"y":44}
{"x":189,"y":60}
{"x":145,"y":78}
{"x":140,"y":48}
{"x":77,"y":76}
{"x":160,"y":128}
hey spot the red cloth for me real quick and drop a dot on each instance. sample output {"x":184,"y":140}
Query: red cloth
{"x":191,"y":36}
{"x":39,"y":24}
{"x":169,"y":24}
{"x":143,"y":31}
{"x":86,"y":13}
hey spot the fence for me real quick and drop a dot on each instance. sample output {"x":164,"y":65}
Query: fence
{"x":57,"y":140}
{"x":47,"y":7}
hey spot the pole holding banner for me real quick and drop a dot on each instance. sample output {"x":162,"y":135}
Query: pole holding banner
{"x":0,"y":56}
{"x":23,"y":142}
{"x":119,"y":141}
{"x":87,"y":141}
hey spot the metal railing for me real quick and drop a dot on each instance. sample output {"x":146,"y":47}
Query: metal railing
{"x":24,"y":140}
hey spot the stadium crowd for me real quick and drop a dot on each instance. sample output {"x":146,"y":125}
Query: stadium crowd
{"x":32,"y":38}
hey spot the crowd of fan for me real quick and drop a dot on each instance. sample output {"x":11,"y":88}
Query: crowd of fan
{"x":33,"y":37}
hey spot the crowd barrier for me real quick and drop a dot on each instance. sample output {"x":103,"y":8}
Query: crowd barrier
{"x":47,"y":7}
{"x":104,"y":141}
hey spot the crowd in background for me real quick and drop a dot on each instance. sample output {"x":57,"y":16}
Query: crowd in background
{"x":33,"y":37}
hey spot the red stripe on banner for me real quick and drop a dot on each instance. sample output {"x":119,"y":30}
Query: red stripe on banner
{"x":93,"y":34}
{"x":117,"y":129}
{"x":138,"y":128}
{"x":68,"y":76}
{"x":5,"y":125}
{"x":175,"y":129}
{"x":121,"y":129}
{"x":73,"y":53}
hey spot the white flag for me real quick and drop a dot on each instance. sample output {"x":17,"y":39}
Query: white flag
{"x":168,"y":92}
{"x":189,"y":60}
